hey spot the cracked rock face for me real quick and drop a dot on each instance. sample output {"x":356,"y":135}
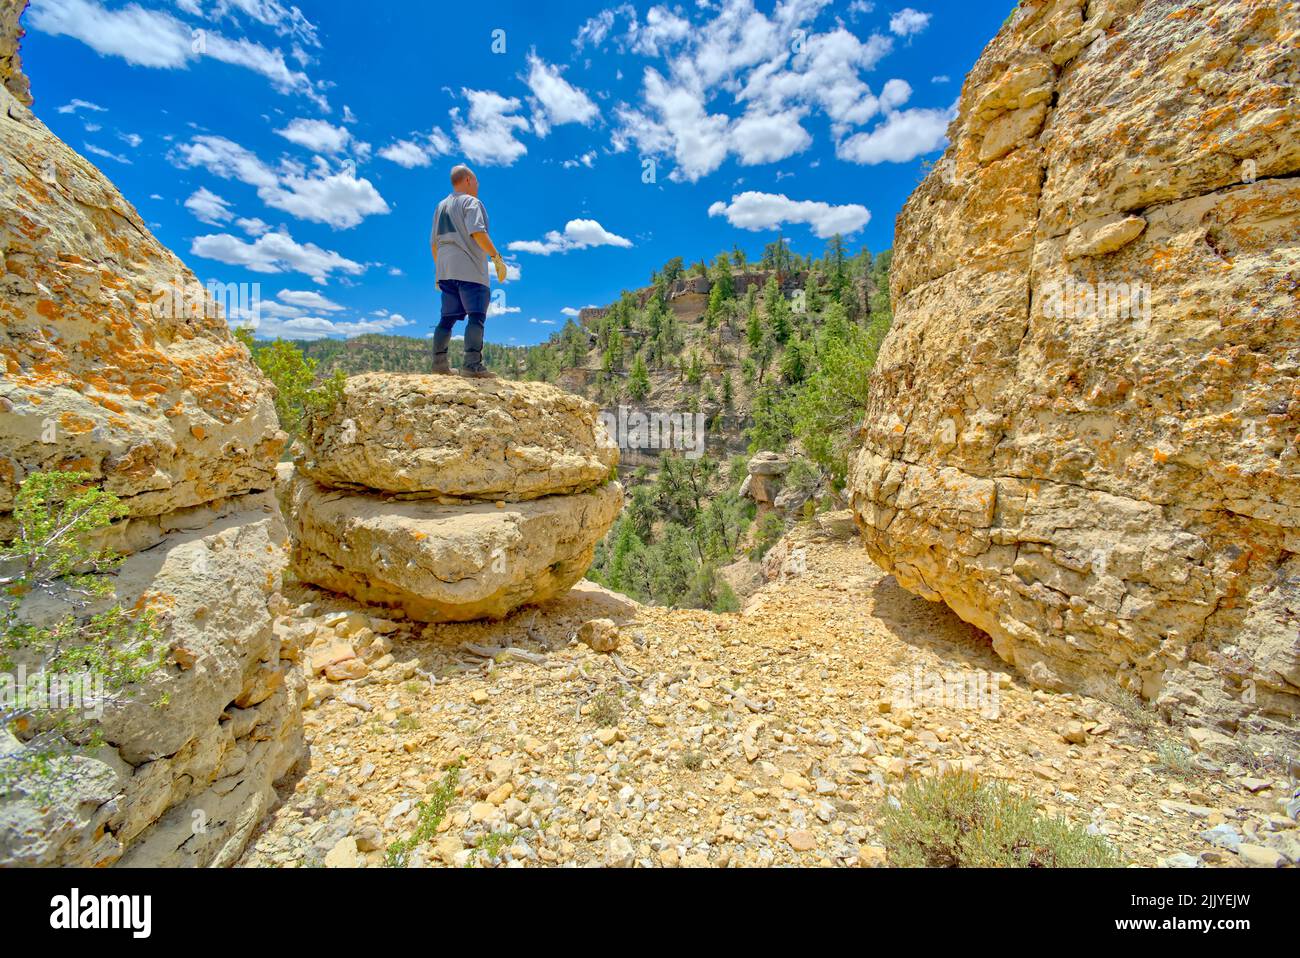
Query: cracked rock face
{"x":163,"y":407}
{"x":187,"y":770}
{"x":1082,"y":430}
{"x":428,"y":437}
{"x":447,"y":563}
{"x":11,"y":63}
{"x":451,"y":499}
{"x":116,"y":361}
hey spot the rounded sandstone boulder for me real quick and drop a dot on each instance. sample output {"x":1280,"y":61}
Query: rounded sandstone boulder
{"x":442,"y":562}
{"x":601,"y":635}
{"x":443,"y":437}
{"x":769,"y":464}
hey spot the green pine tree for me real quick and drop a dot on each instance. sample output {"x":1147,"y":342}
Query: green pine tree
{"x":638,"y":380}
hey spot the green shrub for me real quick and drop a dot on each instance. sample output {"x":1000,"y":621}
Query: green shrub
{"x":430,"y":815}
{"x":957,"y":821}
{"x":493,"y":844}
{"x":100,"y":658}
{"x":606,"y":710}
{"x":726,"y":600}
{"x":299,"y":390}
{"x":1175,"y":758}
{"x":770,"y":529}
{"x":826,"y":410}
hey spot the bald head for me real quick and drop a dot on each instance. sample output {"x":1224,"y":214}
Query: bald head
{"x":463,"y":179}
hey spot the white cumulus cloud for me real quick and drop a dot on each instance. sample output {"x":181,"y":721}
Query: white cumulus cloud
{"x":577,"y":234}
{"x":208,"y":207}
{"x":100,"y":151}
{"x":319,"y":136}
{"x":768,"y":137}
{"x":487,"y":132}
{"x":276,"y":252}
{"x":587,"y":159}
{"x":908,"y":22}
{"x":555,"y":101}
{"x":285,"y":20}
{"x":266,"y":325}
{"x":782,"y":72}
{"x":753,"y":210}
{"x":158,"y":40}
{"x":252,"y":225}
{"x":307,"y":299}
{"x":320,"y":194}
{"x":72,"y":106}
{"x":419,"y":150}
{"x":901,"y":137}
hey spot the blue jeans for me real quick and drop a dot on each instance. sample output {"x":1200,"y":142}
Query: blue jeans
{"x":462,"y":300}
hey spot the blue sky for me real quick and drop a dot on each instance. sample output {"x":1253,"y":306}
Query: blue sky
{"x":303,"y":148}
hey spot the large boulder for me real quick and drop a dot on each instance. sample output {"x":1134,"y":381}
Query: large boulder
{"x":447,"y":562}
{"x":1082,"y":428}
{"x":451,"y":499}
{"x":763,"y":484}
{"x":445,"y":437}
{"x":769,"y":464}
{"x":108,"y":371}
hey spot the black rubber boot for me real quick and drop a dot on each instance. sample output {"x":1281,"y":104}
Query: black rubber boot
{"x":441,"y":341}
{"x":474,"y":367}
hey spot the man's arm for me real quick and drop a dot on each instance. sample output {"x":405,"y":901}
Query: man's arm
{"x":476,"y":222}
{"x":485,"y":243}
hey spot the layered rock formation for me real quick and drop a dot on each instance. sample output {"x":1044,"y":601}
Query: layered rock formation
{"x":116,"y":362}
{"x":428,"y":437}
{"x":105,"y":374}
{"x":401,"y":494}
{"x":763,"y":483}
{"x":11,"y":64}
{"x":1082,"y":431}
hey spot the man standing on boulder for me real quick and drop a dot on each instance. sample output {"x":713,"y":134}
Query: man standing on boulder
{"x":461,"y":247}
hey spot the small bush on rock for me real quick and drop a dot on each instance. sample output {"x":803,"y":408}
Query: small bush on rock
{"x":606,"y":710}
{"x":59,"y":674}
{"x":299,"y":390}
{"x":956,"y":820}
{"x":429,"y":816}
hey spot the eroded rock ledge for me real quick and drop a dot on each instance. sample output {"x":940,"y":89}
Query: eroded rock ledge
{"x":1111,"y":491}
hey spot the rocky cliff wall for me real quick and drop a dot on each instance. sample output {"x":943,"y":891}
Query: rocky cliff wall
{"x":107,"y":371}
{"x":1082,"y":431}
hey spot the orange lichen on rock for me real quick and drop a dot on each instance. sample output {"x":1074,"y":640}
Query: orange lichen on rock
{"x":73,"y":423}
{"x":85,"y":336}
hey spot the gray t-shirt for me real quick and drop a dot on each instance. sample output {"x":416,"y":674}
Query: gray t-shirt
{"x":459,"y":257}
